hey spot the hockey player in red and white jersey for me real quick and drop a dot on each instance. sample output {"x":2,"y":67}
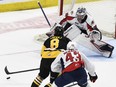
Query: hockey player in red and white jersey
{"x":72,"y":65}
{"x":82,"y":24}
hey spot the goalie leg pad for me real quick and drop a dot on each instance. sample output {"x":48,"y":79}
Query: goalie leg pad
{"x":104,"y":48}
{"x":109,"y":48}
{"x":72,"y":32}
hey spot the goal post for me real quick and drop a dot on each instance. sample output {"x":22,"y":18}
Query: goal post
{"x":65,"y":6}
{"x":60,"y":3}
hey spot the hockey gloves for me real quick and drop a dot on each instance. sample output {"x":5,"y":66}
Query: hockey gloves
{"x":95,"y":35}
{"x":93,"y":78}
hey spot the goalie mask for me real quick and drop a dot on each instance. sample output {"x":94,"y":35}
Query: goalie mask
{"x":80,"y":14}
{"x":72,"y":46}
{"x":58,"y":31}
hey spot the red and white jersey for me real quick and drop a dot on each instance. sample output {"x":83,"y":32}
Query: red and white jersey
{"x":70,"y":60}
{"x":72,"y":27}
{"x":87,"y":24}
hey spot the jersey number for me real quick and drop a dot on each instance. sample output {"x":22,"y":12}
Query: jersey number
{"x":72,"y":56}
{"x":54,"y":43}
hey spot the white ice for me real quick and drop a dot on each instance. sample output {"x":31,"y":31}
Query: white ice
{"x":18,"y":51}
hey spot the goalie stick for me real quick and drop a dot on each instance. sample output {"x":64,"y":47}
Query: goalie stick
{"x":8,"y":72}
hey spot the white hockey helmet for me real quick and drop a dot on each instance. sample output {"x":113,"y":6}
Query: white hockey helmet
{"x":81,"y":13}
{"x":72,"y":46}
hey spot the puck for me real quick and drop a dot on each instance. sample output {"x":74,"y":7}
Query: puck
{"x":8,"y":78}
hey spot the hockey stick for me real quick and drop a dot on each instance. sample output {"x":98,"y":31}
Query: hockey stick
{"x":8,"y":72}
{"x":44,"y":14}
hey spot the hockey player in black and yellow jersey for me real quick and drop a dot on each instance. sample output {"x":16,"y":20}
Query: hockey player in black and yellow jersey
{"x":50,"y":50}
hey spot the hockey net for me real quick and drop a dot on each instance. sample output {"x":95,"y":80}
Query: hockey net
{"x":68,"y":5}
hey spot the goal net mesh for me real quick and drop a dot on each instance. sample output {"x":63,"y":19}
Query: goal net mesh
{"x":65,"y":6}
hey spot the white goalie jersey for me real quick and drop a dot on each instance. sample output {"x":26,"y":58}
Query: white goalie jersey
{"x":77,"y":23}
{"x":72,"y":27}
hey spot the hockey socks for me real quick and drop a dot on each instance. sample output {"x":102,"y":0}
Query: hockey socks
{"x":37,"y":82}
{"x":48,"y":85}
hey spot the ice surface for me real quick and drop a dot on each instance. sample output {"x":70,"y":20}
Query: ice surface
{"x":18,"y":51}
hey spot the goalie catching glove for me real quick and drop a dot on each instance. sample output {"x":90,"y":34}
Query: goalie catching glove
{"x":95,"y":35}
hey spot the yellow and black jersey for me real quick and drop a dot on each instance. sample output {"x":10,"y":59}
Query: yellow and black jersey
{"x":56,"y":43}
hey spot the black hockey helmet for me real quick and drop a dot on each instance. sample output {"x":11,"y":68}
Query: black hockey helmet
{"x":58,"y":31}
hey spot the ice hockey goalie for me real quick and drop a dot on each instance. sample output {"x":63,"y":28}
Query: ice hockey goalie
{"x":81,"y":24}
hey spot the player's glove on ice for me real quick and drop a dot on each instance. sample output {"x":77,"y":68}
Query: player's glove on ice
{"x":93,"y":78}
